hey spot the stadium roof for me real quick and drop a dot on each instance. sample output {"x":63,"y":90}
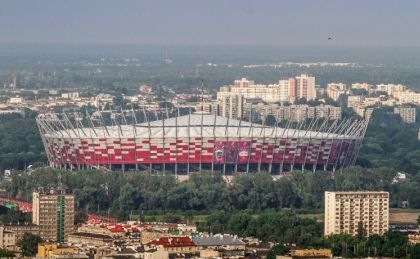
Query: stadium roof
{"x":193,"y":126}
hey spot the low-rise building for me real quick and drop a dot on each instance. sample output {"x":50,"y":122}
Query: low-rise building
{"x":92,"y":239}
{"x":225,"y":245}
{"x":173,"y":245}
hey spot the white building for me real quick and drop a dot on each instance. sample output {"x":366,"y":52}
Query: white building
{"x":391,"y":89}
{"x":16,"y":100}
{"x":335,"y":90}
{"x":407,"y":114}
{"x":364,"y":86}
{"x":344,"y":211}
{"x":248,"y":89}
{"x":71,"y":95}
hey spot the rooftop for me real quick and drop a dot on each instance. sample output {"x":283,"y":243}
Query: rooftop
{"x":198,"y":125}
{"x":217,"y":240}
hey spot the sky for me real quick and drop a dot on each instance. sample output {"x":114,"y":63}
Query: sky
{"x":212,"y":22}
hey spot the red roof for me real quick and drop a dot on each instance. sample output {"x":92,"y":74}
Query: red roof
{"x":172,"y":242}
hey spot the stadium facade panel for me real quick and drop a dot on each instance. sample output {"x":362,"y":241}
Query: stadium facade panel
{"x":199,"y":141}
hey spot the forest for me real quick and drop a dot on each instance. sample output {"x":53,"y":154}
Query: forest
{"x":141,"y":193}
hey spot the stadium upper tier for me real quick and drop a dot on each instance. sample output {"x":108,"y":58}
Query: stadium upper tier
{"x":195,"y":125}
{"x":212,"y":142}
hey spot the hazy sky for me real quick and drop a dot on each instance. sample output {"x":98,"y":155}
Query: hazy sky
{"x":245,"y":22}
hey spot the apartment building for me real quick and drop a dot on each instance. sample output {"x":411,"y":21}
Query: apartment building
{"x":305,"y":87}
{"x":53,"y":212}
{"x":335,"y":90}
{"x":344,"y":211}
{"x":407,"y":114}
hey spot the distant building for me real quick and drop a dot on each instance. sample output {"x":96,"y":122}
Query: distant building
{"x":305,"y":87}
{"x":335,"y":90}
{"x":16,"y":100}
{"x":296,"y":113}
{"x":225,"y":245}
{"x":53,"y":212}
{"x":232,"y":106}
{"x":407,"y":114}
{"x":364,"y":86}
{"x":173,"y":245}
{"x":344,"y":211}
{"x":71,"y":95}
{"x":7,"y":239}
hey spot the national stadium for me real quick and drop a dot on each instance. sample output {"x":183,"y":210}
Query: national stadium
{"x":196,"y":142}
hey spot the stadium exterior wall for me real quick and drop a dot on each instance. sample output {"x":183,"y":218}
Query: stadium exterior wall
{"x":275,"y":153}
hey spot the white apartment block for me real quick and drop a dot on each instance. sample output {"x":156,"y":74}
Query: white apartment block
{"x":305,"y":87}
{"x":409,"y":97}
{"x":335,"y":90}
{"x":407,"y":114}
{"x":296,"y":113}
{"x":364,"y":86}
{"x":279,"y":92}
{"x":391,"y":89}
{"x":354,"y":100}
{"x":231,"y":105}
{"x":344,"y":210}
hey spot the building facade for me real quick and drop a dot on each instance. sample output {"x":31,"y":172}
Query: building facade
{"x":305,"y":87}
{"x":346,"y":211}
{"x":407,"y":114}
{"x":53,"y":212}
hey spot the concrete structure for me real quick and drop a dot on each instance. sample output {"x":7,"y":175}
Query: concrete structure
{"x":279,"y":92}
{"x":7,"y":239}
{"x":91,"y":239}
{"x":295,"y":113}
{"x":335,"y":90}
{"x":172,"y":245}
{"x":364,"y":86}
{"x":53,"y":212}
{"x":344,"y":211}
{"x":407,"y":114}
{"x":231,"y":105}
{"x":225,"y":245}
{"x":198,"y":141}
{"x":20,"y":229}
{"x":305,"y":87}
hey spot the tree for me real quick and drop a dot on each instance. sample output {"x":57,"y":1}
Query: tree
{"x":28,"y":244}
{"x":277,"y":250}
{"x":80,"y":217}
{"x":6,"y":254}
{"x":361,"y":231}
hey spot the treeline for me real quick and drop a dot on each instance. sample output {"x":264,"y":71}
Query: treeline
{"x":284,"y":227}
{"x":389,"y":142}
{"x":20,"y":142}
{"x":141,"y":192}
{"x":289,"y":231}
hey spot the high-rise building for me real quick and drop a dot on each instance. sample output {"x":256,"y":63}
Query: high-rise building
{"x":346,"y":212}
{"x":232,"y":105}
{"x":305,"y":87}
{"x":53,"y":212}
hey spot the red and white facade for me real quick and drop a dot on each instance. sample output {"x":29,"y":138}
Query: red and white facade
{"x":198,"y":142}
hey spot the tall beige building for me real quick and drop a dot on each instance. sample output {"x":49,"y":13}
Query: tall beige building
{"x":53,"y":212}
{"x":344,"y":211}
{"x":305,"y":87}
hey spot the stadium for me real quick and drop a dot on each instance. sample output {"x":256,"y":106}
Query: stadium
{"x":195,"y":142}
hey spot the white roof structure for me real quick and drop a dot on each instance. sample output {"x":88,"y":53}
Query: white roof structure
{"x":202,"y":125}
